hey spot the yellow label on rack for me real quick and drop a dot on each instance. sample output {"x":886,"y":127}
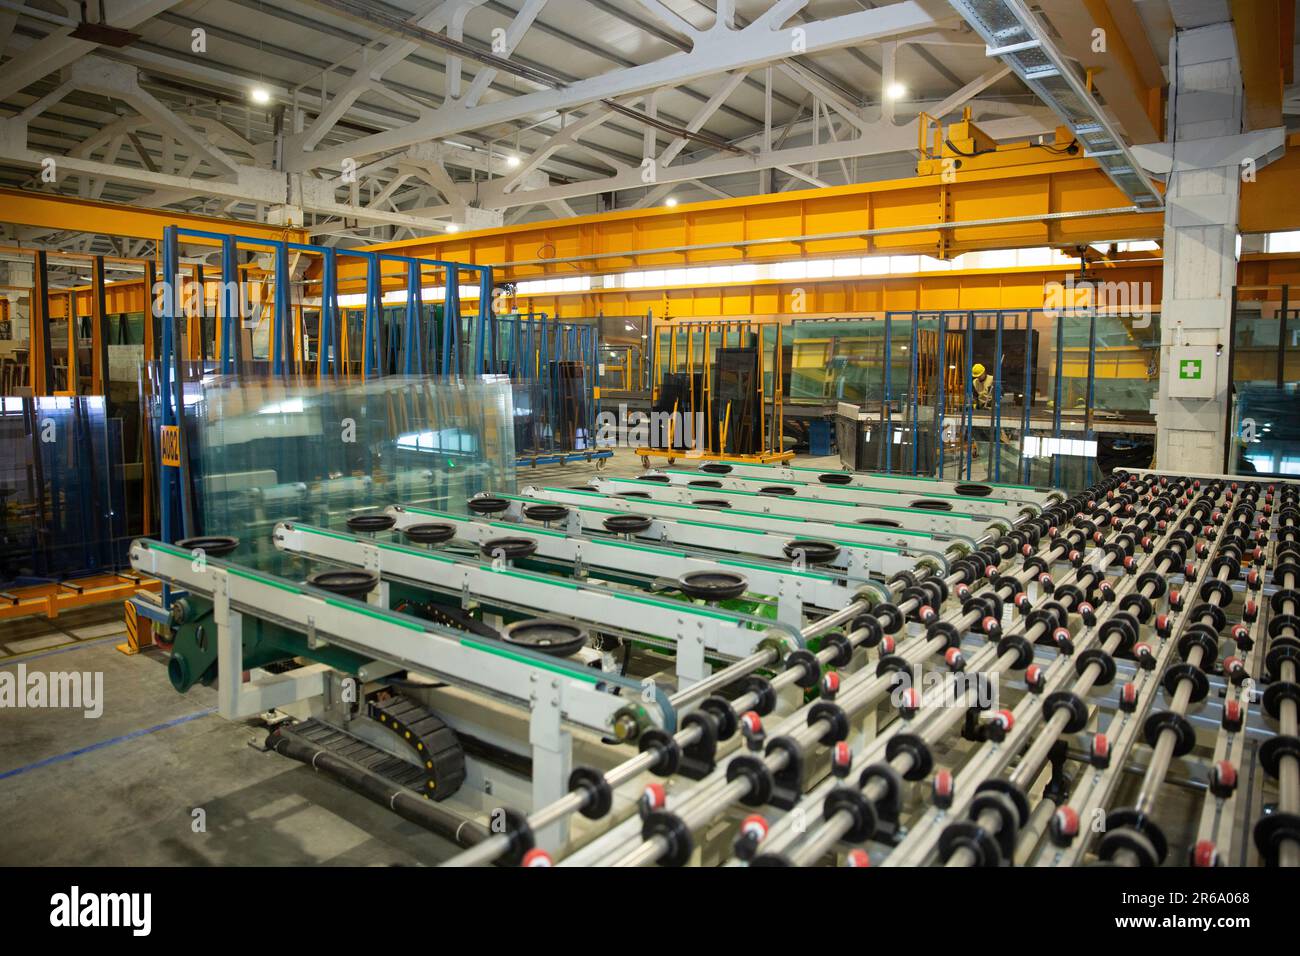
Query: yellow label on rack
{"x":171,"y":446}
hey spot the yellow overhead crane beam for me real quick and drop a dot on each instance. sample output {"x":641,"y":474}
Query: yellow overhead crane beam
{"x":1015,"y":195}
{"x":23,"y":207}
{"x":957,"y":289}
{"x":1052,"y":199}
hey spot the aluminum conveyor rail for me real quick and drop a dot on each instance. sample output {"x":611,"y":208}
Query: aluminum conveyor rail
{"x":889,"y":531}
{"x":984,"y":507}
{"x":488,"y":666}
{"x":695,"y":529}
{"x":692,"y":631}
{"x":791,"y":588}
{"x":917,"y":598}
{"x":792,"y":506}
{"x":591,"y":792}
{"x":878,"y":481}
{"x":748,"y":778}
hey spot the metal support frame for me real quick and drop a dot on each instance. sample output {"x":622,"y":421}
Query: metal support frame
{"x":389,"y":638}
{"x":174,"y":482}
{"x":1015,"y":35}
{"x":797,"y":508}
{"x":771,"y":520}
{"x":691,"y":629}
{"x":864,"y":495}
{"x":684,"y":526}
{"x":884,"y":484}
{"x":793,"y":588}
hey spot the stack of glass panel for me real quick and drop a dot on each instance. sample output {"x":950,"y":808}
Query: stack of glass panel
{"x":268,"y":451}
{"x":62,"y":509}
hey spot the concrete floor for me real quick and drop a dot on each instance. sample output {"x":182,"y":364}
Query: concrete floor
{"x":122,"y":789}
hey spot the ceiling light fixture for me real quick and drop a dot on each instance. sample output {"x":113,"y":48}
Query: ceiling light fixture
{"x":260,"y":95}
{"x":896,"y":91}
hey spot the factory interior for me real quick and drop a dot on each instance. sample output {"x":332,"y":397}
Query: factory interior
{"x":650,"y":434}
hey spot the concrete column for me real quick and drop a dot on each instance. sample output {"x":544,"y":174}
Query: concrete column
{"x":1200,"y":258}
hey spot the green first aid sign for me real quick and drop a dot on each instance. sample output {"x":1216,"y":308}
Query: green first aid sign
{"x":1189,"y":368}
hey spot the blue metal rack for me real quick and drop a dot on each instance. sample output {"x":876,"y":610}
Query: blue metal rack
{"x":411,"y":354}
{"x":527,"y":348}
{"x":1003,"y":323}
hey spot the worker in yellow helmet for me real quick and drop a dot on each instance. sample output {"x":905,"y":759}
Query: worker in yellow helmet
{"x":982,"y":385}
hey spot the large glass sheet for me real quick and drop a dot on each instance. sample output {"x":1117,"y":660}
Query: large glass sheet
{"x":268,"y":451}
{"x":1256,"y":342}
{"x":1043,"y":359}
{"x":1267,"y":430}
{"x":623,"y":369}
{"x":62,"y":511}
{"x":985,"y":407}
{"x":837,"y":360}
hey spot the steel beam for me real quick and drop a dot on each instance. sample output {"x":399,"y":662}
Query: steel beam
{"x":715,"y":52}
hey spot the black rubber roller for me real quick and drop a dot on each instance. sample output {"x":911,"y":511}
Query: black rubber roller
{"x":1133,"y":832}
{"x":1023,"y":649}
{"x":347,"y":583}
{"x":668,"y":752}
{"x":371,"y":523}
{"x":1275,"y":830}
{"x":1218,"y":620}
{"x":851,"y":801}
{"x":721,"y":710}
{"x":814,"y":552}
{"x":488,"y":505}
{"x":944,"y":631}
{"x":807,"y":660}
{"x":871,"y":624}
{"x":598,"y":795}
{"x":931,"y":504}
{"x":627,"y":524}
{"x":1124,"y":627}
{"x":1065,"y":700}
{"x":890,"y":616}
{"x":545,"y":512}
{"x":512,"y":549}
{"x":1213,"y":586}
{"x":711,"y":585}
{"x":1168,"y":720}
{"x":674,"y":833}
{"x":970,"y":836}
{"x":1138,"y":605}
{"x":213,"y":546}
{"x":432,"y":532}
{"x":915,"y":747}
{"x":1204,"y":637}
{"x":557,"y":638}
{"x":835,"y":478}
{"x":843,"y":648}
{"x":756,"y":772}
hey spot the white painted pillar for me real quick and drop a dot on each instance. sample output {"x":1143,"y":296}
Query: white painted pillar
{"x":1200,"y":257}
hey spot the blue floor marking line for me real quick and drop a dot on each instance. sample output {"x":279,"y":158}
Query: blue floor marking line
{"x":61,"y":649}
{"x":59,"y":758}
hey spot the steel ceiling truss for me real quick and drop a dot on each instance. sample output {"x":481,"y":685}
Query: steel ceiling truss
{"x":402,"y":183}
{"x":1015,"y":36}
